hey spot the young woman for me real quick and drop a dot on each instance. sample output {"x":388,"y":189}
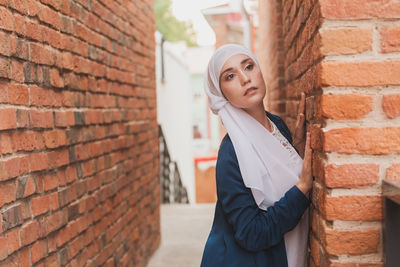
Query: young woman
{"x":262,"y":182}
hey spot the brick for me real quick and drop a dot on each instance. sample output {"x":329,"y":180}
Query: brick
{"x":21,"y":181}
{"x":55,"y":78}
{"x":3,"y":248}
{"x":71,"y":174}
{"x":55,"y":138}
{"x":64,"y":118}
{"x":54,"y":202}
{"x":365,"y":73}
{"x":54,"y":38}
{"x":13,"y":240}
{"x":24,"y":257}
{"x":63,"y":256}
{"x":7,"y":193}
{"x":17,"y":71}
{"x":58,"y":158}
{"x":391,"y":105}
{"x":34,"y":30}
{"x":5,"y":48}
{"x":49,"y":16}
{"x":41,"y":54}
{"x":38,"y":251}
{"x":390,"y":39}
{"x":52,"y":261}
{"x":44,"y":97}
{"x":8,"y":118}
{"x":64,"y":235}
{"x":55,"y":221}
{"x":38,"y":161}
{"x":33,"y":7}
{"x":393,"y":171}
{"x":29,"y":233}
{"x":15,"y":166}
{"x":3,"y":92}
{"x":22,"y":118}
{"x":41,"y":118}
{"x":40,"y":205}
{"x":30,"y":187}
{"x":351,"y":175}
{"x":12,"y":217}
{"x":352,"y":208}
{"x":4,"y":68}
{"x":20,"y":6}
{"x":19,"y":24}
{"x":352,"y":242}
{"x":345,"y":41}
{"x":27,"y":141}
{"x":18,"y":94}
{"x":345,"y":107}
{"x":50,"y":181}
{"x":359,"y":9}
{"x":6,"y":19}
{"x":371,"y":141}
{"x":6,"y":144}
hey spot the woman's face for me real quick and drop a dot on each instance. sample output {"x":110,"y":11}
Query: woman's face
{"x":241,"y":82}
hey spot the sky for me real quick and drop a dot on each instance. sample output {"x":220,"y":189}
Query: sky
{"x":190,"y":10}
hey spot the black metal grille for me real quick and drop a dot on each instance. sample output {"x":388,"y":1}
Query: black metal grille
{"x":172,"y":189}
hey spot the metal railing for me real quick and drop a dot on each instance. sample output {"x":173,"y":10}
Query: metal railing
{"x":172,"y":189}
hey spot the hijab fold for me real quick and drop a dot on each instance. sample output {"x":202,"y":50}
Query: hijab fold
{"x":267,"y":167}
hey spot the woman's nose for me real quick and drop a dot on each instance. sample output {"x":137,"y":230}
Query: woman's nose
{"x":244,"y":78}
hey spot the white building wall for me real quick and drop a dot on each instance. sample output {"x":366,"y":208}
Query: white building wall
{"x":174,"y":98}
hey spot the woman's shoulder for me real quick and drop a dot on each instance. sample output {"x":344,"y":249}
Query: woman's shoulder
{"x":226,"y":147}
{"x":226,"y":152}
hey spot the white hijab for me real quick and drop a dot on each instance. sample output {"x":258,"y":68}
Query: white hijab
{"x":267,"y":168}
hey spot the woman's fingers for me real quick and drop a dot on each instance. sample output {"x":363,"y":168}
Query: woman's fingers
{"x":308,"y":147}
{"x":305,"y":181}
{"x":300,"y":121}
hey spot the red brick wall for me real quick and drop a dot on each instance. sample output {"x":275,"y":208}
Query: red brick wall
{"x":78,"y":133}
{"x":270,"y":54}
{"x":344,"y":55}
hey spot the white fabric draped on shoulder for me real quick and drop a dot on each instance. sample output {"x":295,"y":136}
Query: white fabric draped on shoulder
{"x":265,"y":165}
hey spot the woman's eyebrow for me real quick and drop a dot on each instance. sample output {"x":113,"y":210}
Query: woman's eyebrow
{"x":241,"y":63}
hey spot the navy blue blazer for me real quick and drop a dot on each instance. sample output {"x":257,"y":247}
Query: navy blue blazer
{"x":242,"y":234}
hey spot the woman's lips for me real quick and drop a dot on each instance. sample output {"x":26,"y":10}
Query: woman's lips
{"x":250,"y":90}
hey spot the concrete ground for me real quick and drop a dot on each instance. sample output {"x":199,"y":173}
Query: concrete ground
{"x":184,"y":231}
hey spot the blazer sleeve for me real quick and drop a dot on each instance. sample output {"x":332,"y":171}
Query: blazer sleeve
{"x":254,"y":229}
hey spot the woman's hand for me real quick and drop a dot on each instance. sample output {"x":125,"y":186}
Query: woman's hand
{"x":299,"y":131}
{"x":305,"y":181}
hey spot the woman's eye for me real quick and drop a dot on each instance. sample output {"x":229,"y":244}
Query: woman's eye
{"x":249,"y":67}
{"x":229,"y":77}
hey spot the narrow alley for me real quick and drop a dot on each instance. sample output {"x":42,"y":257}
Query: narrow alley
{"x":184,"y":231}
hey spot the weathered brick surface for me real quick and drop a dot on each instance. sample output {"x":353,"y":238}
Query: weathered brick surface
{"x":346,"y":41}
{"x":390,"y":39}
{"x":350,"y":175}
{"x":78,"y":133}
{"x":345,"y":107}
{"x":356,"y":242}
{"x":393,"y":172}
{"x":342,"y":54}
{"x":391,"y":105}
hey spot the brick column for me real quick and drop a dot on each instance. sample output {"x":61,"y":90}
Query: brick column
{"x":357,"y":141}
{"x":344,"y":55}
{"x":78,"y":133}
